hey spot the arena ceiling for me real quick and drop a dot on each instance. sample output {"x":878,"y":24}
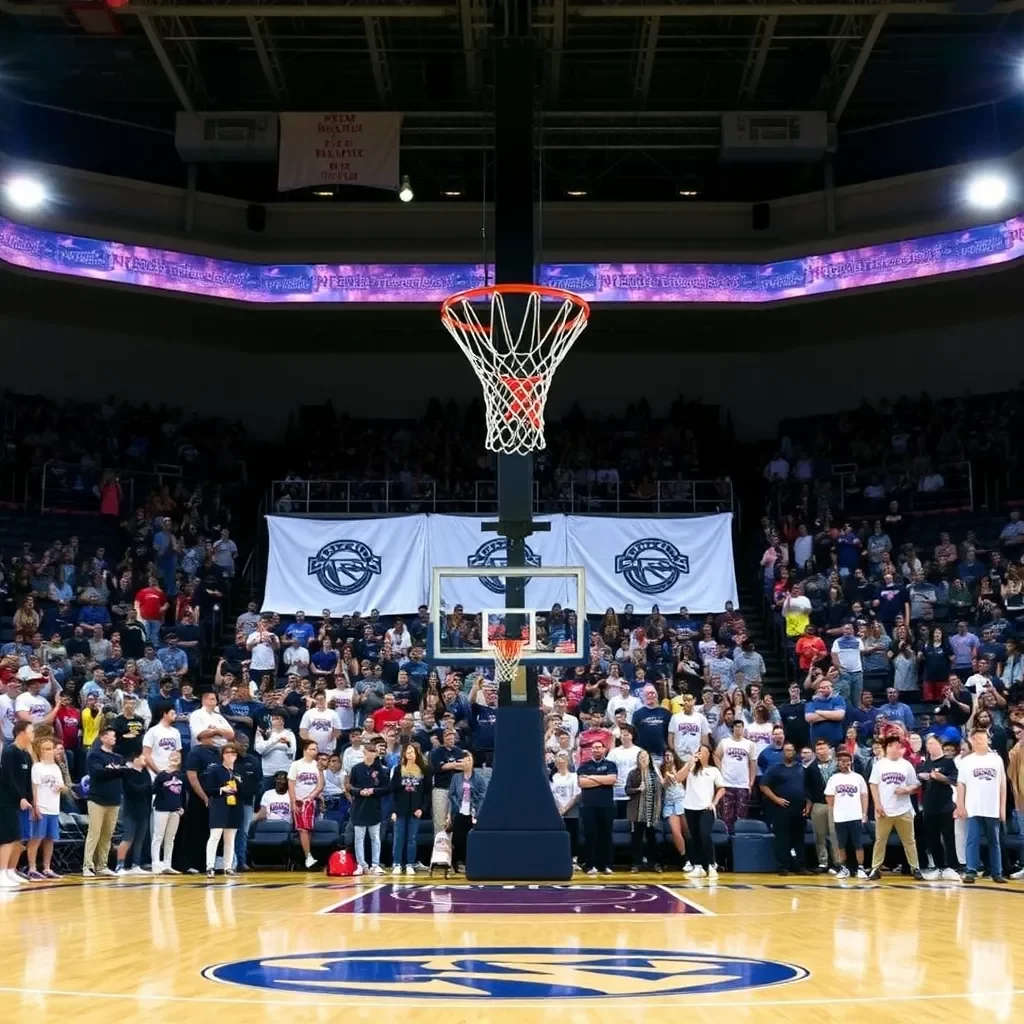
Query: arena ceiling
{"x":630,"y":93}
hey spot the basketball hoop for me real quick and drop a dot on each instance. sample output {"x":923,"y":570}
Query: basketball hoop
{"x":506,"y":659}
{"x":515,"y":367}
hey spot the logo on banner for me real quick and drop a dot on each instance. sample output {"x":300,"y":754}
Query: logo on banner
{"x":502,"y":972}
{"x":494,"y":554}
{"x":652,"y":565}
{"x":344,"y":566}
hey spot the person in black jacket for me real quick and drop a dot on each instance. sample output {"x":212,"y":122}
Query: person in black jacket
{"x":106,"y":770}
{"x":819,"y":771}
{"x":250,"y":770}
{"x":410,"y":787}
{"x":135,"y":814}
{"x":195,"y":825}
{"x":130,"y":730}
{"x":222,"y":784}
{"x":938,"y":775}
{"x":368,"y":782}
{"x":15,"y":801}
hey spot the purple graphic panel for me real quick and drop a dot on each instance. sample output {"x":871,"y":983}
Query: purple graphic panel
{"x":517,"y":899}
{"x":166,"y":270}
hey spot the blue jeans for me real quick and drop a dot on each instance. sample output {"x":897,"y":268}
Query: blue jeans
{"x":989,"y":828}
{"x":849,"y":686}
{"x":242,"y":835}
{"x":406,"y":830}
{"x":152,"y":627}
{"x":360,"y":844}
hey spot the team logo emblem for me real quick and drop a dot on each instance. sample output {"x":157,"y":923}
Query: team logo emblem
{"x":494,"y":553}
{"x":652,"y":565}
{"x":344,"y":566}
{"x":504,"y":973}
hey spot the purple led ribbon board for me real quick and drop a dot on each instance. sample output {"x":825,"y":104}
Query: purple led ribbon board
{"x":163,"y":269}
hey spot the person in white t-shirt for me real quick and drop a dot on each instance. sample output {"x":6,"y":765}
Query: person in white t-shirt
{"x":736,"y":758}
{"x":263,"y":645}
{"x":275,"y":804}
{"x":32,"y":706}
{"x":47,"y":786}
{"x":321,"y":725}
{"x":624,"y":758}
{"x":276,"y":748}
{"x":687,"y":730}
{"x":893,"y":780}
{"x":622,"y":699}
{"x":981,"y":799}
{"x":846,"y":794}
{"x":207,"y":719}
{"x":160,"y":741}
{"x":343,"y":702}
{"x":704,"y":789}
{"x":400,"y":639}
{"x":296,"y":658}
{"x":565,"y":788}
{"x":8,"y":716}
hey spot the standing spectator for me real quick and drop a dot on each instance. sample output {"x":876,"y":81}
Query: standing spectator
{"x":938,"y":776}
{"x":784,"y":785}
{"x":687,"y":730}
{"x":130,"y":730}
{"x":276,"y":748}
{"x":135,"y":812}
{"x":894,"y":710}
{"x":222,"y":783}
{"x":47,"y":786}
{"x":225,"y":551}
{"x":643,"y":787}
{"x":816,"y":776}
{"x":965,"y":646}
{"x":249,"y":770}
{"x":168,"y":808}
{"x":847,"y":657}
{"x":624,"y":757}
{"x":305,"y":784}
{"x":196,"y":822}
{"x":847,"y":795}
{"x":162,"y":742}
{"x":810,"y":649}
{"x":263,"y":645}
{"x":369,"y":782}
{"x":981,"y":799}
{"x":737,"y":761}
{"x":650,"y":725}
{"x":825,"y":714}
{"x":106,"y":770}
{"x":893,"y":780}
{"x":445,"y":761}
{"x":565,"y":788}
{"x":793,"y":717}
{"x":673,"y":805}
{"x":151,"y":605}
{"x":15,"y":801}
{"x":466,"y":794}
{"x":704,"y":789}
{"x":597,"y":778}
{"x":207,"y":721}
{"x":67,"y":728}
{"x":409,"y":785}
{"x":295,"y":658}
{"x":321,"y":725}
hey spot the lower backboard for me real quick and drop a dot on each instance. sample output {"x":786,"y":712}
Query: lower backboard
{"x":469,"y":611}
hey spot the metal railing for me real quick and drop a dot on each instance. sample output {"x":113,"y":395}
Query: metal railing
{"x":955,"y":494}
{"x":70,"y":487}
{"x":370,"y":497}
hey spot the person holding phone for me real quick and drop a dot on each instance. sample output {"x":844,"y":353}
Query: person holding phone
{"x":704,"y":788}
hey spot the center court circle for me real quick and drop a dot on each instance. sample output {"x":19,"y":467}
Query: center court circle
{"x":505,"y":972}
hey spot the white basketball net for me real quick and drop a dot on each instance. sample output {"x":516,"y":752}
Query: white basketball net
{"x":506,"y":659}
{"x":514,"y":367}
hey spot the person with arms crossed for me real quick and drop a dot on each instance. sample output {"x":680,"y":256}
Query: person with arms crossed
{"x":15,"y":800}
{"x":981,"y":799}
{"x":818,"y":772}
{"x":784,"y":785}
{"x":106,"y":770}
{"x":736,"y":760}
{"x":893,"y":780}
{"x":703,"y":789}
{"x":208,"y":721}
{"x":847,"y":795}
{"x":597,"y":778}
{"x":938,"y":774}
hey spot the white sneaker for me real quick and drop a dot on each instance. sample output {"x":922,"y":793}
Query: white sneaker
{"x":713,"y":874}
{"x":843,"y":872}
{"x":358,"y":870}
{"x":6,"y":882}
{"x":139,"y":870}
{"x":409,"y":869}
{"x":861,"y":873}
{"x":107,"y":873}
{"x":310,"y":861}
{"x":16,"y":881}
{"x":397,"y":869}
{"x":121,"y":872}
{"x":1016,"y":876}
{"x":420,"y":866}
{"x":88,"y":873}
{"x":376,"y":870}
{"x":697,"y":872}
{"x":168,"y":870}
{"x":952,"y":875}
{"x":609,"y":871}
{"x":931,"y":875}
{"x":687,"y":868}
{"x":592,"y":871}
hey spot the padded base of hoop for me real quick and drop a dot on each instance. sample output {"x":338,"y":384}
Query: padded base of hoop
{"x":519,"y":833}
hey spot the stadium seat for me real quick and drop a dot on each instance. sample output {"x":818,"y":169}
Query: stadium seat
{"x":270,"y":836}
{"x":750,"y":826}
{"x":752,"y":853}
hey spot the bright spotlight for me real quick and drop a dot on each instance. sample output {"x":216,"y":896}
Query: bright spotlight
{"x":24,"y":192}
{"x":988,"y":190}
{"x":405,"y":193}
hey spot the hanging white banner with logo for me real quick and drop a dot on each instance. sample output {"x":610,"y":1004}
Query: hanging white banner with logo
{"x":667,"y":562}
{"x":346,"y":565}
{"x":339,"y":149}
{"x":459,"y":541}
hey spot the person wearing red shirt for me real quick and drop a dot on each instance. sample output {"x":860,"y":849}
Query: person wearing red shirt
{"x":574,"y":688}
{"x":151,"y":606}
{"x":67,"y":726}
{"x":593,"y":733}
{"x":389,"y":713}
{"x":810,"y":648}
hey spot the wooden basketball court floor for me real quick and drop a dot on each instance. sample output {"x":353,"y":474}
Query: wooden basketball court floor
{"x":278,"y":947}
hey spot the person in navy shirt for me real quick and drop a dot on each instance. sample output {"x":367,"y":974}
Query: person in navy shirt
{"x":597,"y":781}
{"x":302,"y":629}
{"x":892,"y":600}
{"x":407,"y":698}
{"x":825,"y":714}
{"x":483,"y":719}
{"x":650,"y":724}
{"x":324,"y":662}
{"x":368,"y":645}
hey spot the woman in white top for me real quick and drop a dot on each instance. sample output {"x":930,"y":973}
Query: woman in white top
{"x":565,"y":788}
{"x":672,"y":804}
{"x":704,"y":788}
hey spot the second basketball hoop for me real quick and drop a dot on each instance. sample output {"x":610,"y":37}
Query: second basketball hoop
{"x":515,"y":362}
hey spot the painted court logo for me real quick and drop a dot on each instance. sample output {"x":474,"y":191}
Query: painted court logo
{"x":652,"y":565}
{"x":504,"y":973}
{"x":344,"y":566}
{"x":495,"y":553}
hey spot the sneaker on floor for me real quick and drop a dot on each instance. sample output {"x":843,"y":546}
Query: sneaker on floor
{"x":697,"y":872}
{"x":843,"y":873}
{"x":409,"y":869}
{"x":634,"y":870}
{"x":713,"y":874}
{"x":192,"y":871}
{"x":592,"y":871}
{"x":609,"y":871}
{"x":832,"y":871}
{"x":359,"y":870}
{"x":969,"y":877}
{"x":138,"y":870}
{"x":16,"y":881}
{"x":397,"y":869}
{"x":917,"y":875}
{"x":420,"y":866}
{"x":658,"y":869}
{"x":36,"y":876}
{"x":121,"y":872}
{"x":88,"y":873}
{"x":875,"y":875}
{"x":168,"y":870}
{"x":931,"y":875}
{"x":1001,"y":879}
{"x":861,"y":873}
{"x":1017,"y":875}
{"x":210,"y":873}
{"x":50,"y":873}
{"x":952,"y":875}
{"x":576,"y":867}
{"x":687,"y":868}
{"x":107,"y":873}
{"x":6,"y":882}
{"x":230,"y":871}
{"x":310,"y":861}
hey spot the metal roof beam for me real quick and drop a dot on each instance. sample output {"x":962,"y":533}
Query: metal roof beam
{"x":645,"y":64}
{"x":378,"y":60}
{"x":471,"y":54}
{"x":756,"y":10}
{"x":757,"y":56}
{"x":558,"y":29}
{"x":271,"y":68}
{"x":877,"y":24}
{"x":165,"y":62}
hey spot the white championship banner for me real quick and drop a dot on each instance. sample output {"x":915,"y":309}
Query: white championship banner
{"x":667,"y":562}
{"x":346,"y":565}
{"x":339,"y":149}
